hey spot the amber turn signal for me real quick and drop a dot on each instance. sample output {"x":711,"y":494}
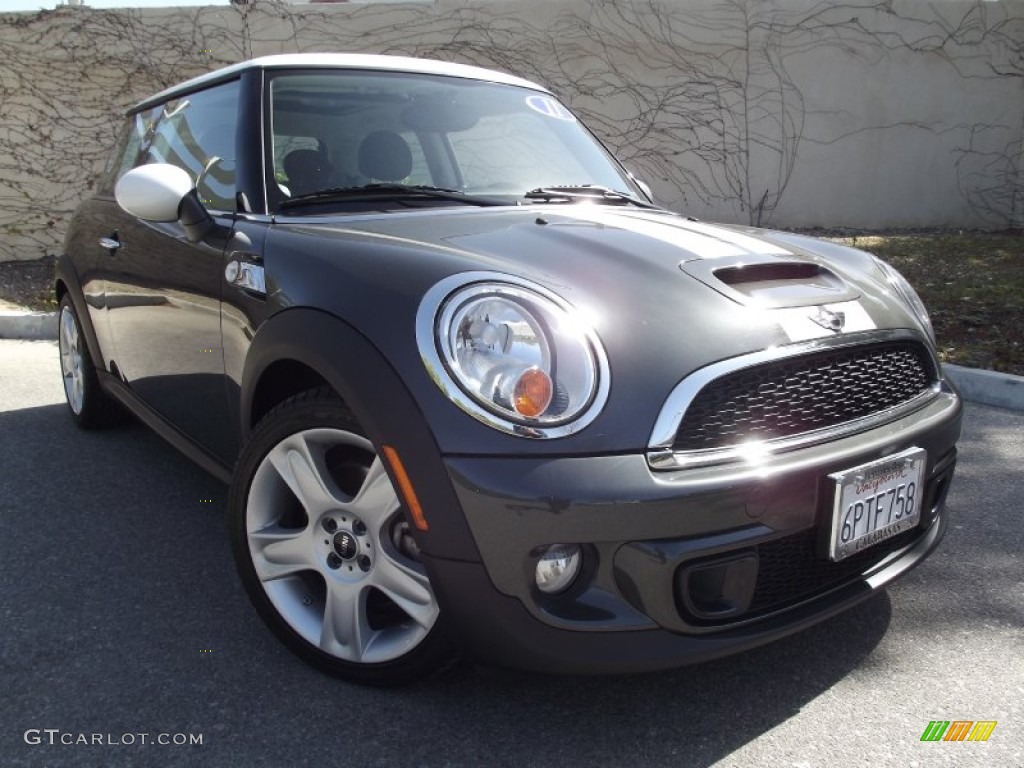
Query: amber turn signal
{"x":405,"y":487}
{"x":532,"y":393}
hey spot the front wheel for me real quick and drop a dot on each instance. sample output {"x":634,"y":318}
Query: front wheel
{"x":90,"y":406}
{"x":324,"y":550}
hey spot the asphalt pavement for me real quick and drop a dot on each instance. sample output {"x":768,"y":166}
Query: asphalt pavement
{"x":124,"y":625}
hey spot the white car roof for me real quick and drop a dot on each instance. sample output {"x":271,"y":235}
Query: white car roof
{"x":341,"y":61}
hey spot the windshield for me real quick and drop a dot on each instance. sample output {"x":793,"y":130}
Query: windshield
{"x":347,"y":128}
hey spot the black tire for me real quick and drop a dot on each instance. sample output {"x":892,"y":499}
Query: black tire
{"x":324,"y":579}
{"x":89,"y":405}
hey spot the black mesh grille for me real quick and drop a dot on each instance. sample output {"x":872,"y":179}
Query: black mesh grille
{"x":801,"y":394}
{"x":791,"y":568}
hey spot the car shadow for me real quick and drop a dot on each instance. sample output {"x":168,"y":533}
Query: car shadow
{"x":123,"y":612}
{"x":691,"y":716}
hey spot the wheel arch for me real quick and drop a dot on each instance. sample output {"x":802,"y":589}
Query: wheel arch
{"x":279,"y":381}
{"x":67,"y":283}
{"x":301,"y":348}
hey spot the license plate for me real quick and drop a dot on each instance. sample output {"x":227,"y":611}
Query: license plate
{"x":876,"y":501}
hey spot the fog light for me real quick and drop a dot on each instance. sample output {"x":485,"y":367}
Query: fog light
{"x":557,"y":567}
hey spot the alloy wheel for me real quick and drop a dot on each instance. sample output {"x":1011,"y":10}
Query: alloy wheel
{"x":71,"y":364}
{"x":331,"y":550}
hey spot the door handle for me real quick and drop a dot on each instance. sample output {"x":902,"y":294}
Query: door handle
{"x":246,"y":275}
{"x":111,"y":243}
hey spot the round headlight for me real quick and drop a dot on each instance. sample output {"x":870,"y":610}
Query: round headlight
{"x":500,"y":353}
{"x":909,"y":296}
{"x":520,"y":357}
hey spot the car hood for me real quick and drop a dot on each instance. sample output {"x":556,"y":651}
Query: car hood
{"x":642,"y":271}
{"x":666,"y":294}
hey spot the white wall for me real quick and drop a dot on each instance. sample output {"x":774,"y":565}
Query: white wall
{"x":781,"y":112}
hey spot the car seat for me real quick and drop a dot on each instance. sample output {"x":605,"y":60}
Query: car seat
{"x":385,"y":156}
{"x":308,"y":170}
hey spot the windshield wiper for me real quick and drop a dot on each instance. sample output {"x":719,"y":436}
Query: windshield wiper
{"x":388,"y":190}
{"x":589,"y":192}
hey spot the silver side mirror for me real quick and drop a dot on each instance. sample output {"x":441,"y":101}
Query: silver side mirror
{"x":153,"y":192}
{"x":162,"y":192}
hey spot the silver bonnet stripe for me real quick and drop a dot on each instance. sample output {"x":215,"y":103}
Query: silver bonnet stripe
{"x":704,"y":241}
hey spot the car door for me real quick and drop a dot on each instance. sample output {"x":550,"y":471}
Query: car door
{"x":163,"y":292}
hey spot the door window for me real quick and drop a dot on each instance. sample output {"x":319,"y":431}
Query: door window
{"x":197,"y":134}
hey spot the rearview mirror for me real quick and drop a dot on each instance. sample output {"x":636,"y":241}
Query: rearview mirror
{"x":439,"y":116}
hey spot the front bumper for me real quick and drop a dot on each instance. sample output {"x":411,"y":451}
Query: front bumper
{"x":642,"y":531}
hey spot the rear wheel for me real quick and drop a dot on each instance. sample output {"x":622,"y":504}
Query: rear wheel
{"x":90,"y":406}
{"x":324,"y":550}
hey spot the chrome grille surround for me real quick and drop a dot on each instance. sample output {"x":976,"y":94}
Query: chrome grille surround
{"x":661,"y":456}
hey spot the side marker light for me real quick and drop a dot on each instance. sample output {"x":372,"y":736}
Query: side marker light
{"x":412,"y":503}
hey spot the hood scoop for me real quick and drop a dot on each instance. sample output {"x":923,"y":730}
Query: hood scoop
{"x":773,"y":283}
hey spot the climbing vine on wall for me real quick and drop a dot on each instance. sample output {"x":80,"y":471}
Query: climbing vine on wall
{"x":716,"y":102}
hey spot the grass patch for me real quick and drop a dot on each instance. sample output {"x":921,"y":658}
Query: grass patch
{"x":973,"y":286}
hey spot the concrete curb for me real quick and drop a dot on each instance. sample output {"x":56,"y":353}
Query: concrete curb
{"x":1002,"y":390}
{"x":28,"y":325}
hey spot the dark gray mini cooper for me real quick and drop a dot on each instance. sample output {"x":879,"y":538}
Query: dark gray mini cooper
{"x":473,"y":390}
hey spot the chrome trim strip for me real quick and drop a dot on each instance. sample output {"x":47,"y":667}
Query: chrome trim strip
{"x":661,"y":456}
{"x":429,"y":314}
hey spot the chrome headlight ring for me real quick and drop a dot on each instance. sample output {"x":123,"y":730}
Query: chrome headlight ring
{"x":512,"y":354}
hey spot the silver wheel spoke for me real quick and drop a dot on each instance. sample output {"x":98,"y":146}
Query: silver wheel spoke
{"x":375,"y":500}
{"x":279,"y":552}
{"x":295,"y":461}
{"x":71,"y":361}
{"x":79,"y":394}
{"x":346,"y":631}
{"x":407,"y":588}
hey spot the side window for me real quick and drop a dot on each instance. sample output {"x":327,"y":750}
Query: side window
{"x":125,"y":154}
{"x":196,"y":133}
{"x":115,"y":160}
